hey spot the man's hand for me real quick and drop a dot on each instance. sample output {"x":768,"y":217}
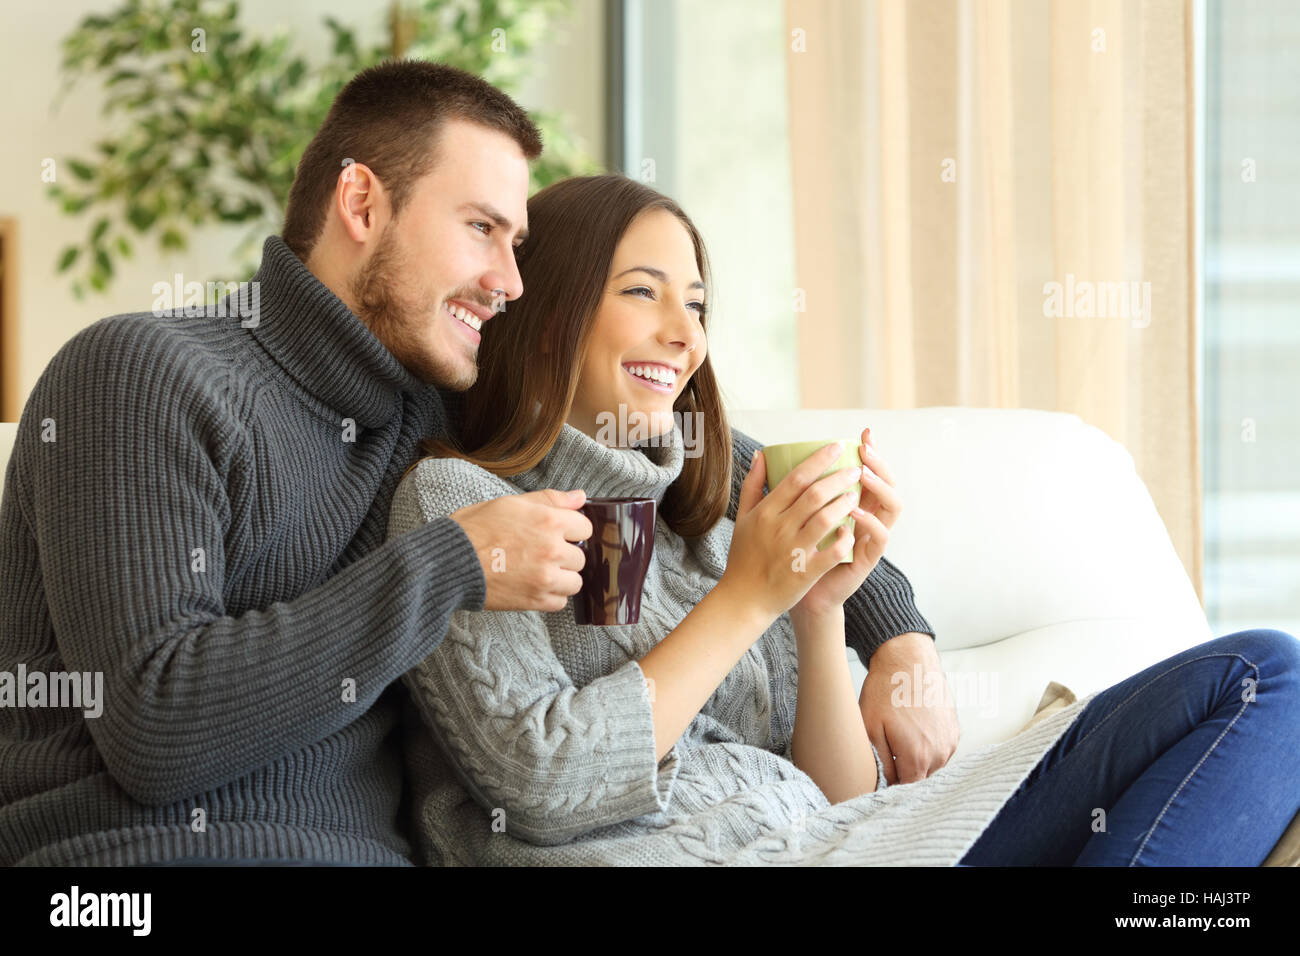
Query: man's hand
{"x":523,"y":544}
{"x":917,"y":738}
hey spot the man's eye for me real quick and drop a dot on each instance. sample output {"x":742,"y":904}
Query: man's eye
{"x":487,"y":227}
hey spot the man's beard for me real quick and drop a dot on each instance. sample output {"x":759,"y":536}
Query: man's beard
{"x":398,"y":324}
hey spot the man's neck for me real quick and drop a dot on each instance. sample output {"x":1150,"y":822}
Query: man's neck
{"x":329,"y":268}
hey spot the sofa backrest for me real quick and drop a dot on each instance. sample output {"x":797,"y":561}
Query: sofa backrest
{"x":1013,"y":519}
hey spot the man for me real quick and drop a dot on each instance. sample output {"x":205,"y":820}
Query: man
{"x":196,"y":507}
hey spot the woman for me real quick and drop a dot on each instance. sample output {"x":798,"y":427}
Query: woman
{"x":723,"y":727}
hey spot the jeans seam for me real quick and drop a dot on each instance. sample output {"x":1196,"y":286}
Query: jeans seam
{"x":1190,"y":774}
{"x":1157,"y":677}
{"x":1252,"y":665}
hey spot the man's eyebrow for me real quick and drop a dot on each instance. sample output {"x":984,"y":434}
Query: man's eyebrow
{"x":658,"y":274}
{"x":488,"y":211}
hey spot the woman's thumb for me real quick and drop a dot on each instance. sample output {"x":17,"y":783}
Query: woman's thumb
{"x":751,"y":489}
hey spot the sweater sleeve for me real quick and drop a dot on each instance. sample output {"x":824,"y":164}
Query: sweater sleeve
{"x":559,"y":761}
{"x":882,"y":608}
{"x":117,"y":465}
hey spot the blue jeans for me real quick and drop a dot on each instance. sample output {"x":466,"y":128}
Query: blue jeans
{"x":1177,"y":763}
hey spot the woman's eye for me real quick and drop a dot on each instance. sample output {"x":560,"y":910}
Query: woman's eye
{"x":696,"y":305}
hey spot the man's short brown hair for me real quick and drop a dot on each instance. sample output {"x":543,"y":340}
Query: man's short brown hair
{"x":388,"y":117}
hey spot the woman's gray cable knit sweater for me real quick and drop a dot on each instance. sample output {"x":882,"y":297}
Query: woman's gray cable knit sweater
{"x":530,"y":739}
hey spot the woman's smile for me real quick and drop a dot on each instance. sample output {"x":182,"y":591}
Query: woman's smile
{"x":654,"y":376}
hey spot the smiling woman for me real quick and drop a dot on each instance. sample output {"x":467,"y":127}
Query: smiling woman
{"x":722,"y":727}
{"x":647,"y":340}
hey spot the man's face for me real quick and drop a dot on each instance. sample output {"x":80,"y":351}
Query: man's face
{"x":441,"y":259}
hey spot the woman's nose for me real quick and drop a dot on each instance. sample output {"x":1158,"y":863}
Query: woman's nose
{"x":686,"y":331}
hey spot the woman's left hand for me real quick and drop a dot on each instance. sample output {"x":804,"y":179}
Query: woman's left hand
{"x":880,"y":506}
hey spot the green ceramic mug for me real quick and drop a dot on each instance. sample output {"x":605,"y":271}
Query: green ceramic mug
{"x":782,"y":459}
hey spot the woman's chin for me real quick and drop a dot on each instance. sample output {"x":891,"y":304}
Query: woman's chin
{"x":635,"y":422}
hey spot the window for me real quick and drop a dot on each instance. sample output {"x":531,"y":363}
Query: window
{"x":704,"y":121}
{"x":1251,"y":314}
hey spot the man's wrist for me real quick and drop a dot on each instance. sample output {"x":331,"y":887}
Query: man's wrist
{"x":882,"y":608}
{"x":910,"y":644}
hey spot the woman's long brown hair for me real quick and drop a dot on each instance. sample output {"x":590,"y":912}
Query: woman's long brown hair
{"x":535,"y":350}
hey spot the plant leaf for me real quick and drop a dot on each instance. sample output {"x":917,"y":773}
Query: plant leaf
{"x":140,"y":217}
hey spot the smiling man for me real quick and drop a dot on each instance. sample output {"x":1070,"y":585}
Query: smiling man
{"x":398,"y":235}
{"x":196,"y":509}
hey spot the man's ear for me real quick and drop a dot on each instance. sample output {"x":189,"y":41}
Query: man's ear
{"x":360,"y":202}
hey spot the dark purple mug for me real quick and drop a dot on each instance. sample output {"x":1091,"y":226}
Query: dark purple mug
{"x":618,"y":557}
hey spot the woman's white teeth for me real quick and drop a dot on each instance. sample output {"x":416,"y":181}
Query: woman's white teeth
{"x":469,"y":318}
{"x":653,"y":372}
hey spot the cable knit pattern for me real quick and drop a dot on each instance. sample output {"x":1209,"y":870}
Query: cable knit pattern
{"x":531,"y":739}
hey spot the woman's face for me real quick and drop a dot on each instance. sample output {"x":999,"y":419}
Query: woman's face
{"x":650,"y":319}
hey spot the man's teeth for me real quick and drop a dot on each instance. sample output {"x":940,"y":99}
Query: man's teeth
{"x":663,"y":376}
{"x":469,"y":318}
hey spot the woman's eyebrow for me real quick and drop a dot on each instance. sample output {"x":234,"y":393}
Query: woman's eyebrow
{"x":658,"y":274}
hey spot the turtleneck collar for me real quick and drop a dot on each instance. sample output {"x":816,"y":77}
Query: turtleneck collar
{"x":577,"y":460}
{"x":318,"y":341}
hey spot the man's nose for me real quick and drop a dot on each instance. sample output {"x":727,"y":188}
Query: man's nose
{"x":504,"y":280}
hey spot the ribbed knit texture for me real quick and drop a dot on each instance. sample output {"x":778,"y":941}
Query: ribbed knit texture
{"x":224,"y":688}
{"x":531,"y":739}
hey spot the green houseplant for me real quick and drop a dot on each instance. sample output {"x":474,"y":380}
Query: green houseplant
{"x":215,"y":118}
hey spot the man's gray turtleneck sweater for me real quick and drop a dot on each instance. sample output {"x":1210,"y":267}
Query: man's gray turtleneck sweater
{"x":196,"y":510}
{"x":249,"y":681}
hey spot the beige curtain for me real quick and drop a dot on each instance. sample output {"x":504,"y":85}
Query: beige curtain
{"x":952,"y":161}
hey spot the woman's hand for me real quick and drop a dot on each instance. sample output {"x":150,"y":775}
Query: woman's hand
{"x":878,"y":509}
{"x":774,"y":559}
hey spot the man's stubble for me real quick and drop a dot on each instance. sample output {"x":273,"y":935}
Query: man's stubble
{"x":398,"y":323}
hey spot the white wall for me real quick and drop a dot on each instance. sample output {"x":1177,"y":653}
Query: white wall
{"x":569,"y":76}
